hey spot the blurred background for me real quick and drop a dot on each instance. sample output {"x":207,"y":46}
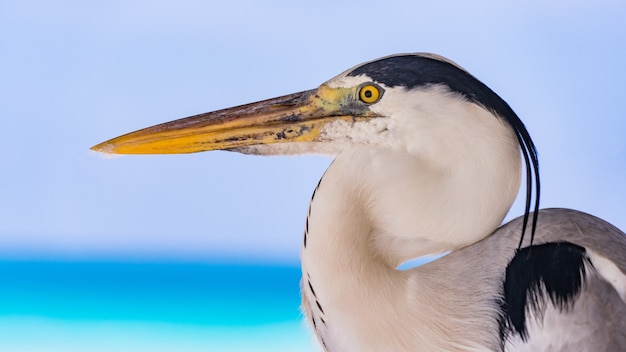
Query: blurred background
{"x":200,"y":252}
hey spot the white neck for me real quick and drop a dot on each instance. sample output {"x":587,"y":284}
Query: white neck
{"x":378,"y":206}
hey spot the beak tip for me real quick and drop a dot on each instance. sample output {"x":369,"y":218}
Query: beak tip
{"x":105,"y":148}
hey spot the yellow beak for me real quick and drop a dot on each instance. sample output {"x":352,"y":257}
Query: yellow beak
{"x":297,"y":117}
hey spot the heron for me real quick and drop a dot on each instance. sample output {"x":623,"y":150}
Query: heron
{"x":427,"y":160}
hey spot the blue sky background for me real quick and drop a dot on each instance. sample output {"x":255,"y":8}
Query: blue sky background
{"x":75,"y":73}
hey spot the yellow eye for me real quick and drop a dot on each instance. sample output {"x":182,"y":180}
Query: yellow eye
{"x":369,"y":93}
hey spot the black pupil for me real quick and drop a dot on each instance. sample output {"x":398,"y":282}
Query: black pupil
{"x":368,"y":93}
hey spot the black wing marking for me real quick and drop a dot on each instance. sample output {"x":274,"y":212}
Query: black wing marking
{"x":553,"y":270}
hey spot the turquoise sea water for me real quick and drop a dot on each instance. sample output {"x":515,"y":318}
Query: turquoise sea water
{"x":115,"y":306}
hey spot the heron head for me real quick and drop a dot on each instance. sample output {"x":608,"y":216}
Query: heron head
{"x":383,"y":102}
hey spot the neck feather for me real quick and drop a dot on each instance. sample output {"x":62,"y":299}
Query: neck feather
{"x":378,"y":206}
